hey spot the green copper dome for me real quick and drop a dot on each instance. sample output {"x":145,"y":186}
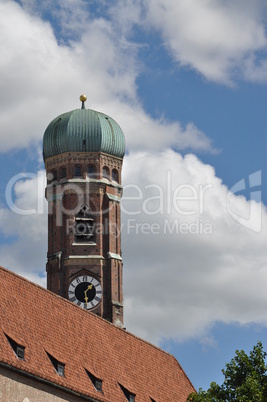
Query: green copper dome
{"x":83,"y":130}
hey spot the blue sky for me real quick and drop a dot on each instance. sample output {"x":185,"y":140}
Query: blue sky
{"x":186,"y":80}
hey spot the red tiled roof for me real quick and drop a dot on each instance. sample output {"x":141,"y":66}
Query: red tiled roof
{"x":44,"y":322}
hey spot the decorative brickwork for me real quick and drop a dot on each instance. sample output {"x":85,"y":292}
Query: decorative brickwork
{"x":84,"y":227}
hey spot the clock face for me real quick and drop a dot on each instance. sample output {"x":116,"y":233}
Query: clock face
{"x":85,"y":291}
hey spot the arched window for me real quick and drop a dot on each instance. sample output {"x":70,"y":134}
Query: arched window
{"x":63,"y":173}
{"x":115,"y":175}
{"x":77,"y":171}
{"x":91,"y":170}
{"x":54,"y":175}
{"x":84,"y":226}
{"x":106,"y":172}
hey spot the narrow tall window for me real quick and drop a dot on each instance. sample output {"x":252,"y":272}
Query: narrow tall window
{"x":63,"y":173}
{"x":115,"y":175}
{"x":77,"y":171}
{"x":105,"y":172}
{"x":91,"y":171}
{"x":54,"y":173}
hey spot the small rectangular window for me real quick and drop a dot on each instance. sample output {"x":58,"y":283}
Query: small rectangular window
{"x":98,"y":385}
{"x":20,"y":352}
{"x":60,"y":369}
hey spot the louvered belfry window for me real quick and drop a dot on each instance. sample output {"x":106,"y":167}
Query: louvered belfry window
{"x":84,"y":226}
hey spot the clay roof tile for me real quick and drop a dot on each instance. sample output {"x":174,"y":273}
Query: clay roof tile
{"x":45,"y":323}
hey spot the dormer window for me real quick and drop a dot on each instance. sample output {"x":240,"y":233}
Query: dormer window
{"x":84,"y":226}
{"x":18,"y":349}
{"x":59,"y":366}
{"x":129,"y":395}
{"x":77,"y":171}
{"x":97,"y":383}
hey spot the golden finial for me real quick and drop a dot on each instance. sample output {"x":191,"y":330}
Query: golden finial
{"x":83,"y":99}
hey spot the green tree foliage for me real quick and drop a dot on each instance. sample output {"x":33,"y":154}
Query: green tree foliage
{"x":245,"y":380}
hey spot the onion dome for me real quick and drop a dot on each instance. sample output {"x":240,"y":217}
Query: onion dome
{"x":83,"y":130}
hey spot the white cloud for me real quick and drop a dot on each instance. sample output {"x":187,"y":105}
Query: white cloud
{"x":24,"y":227}
{"x":176,"y":284}
{"x":43,"y":77}
{"x":145,"y":133}
{"x":31,"y":65}
{"x":187,"y":262}
{"x":220,"y":39}
{"x":190,"y":264}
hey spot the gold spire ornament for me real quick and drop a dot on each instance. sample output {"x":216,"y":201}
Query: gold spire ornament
{"x":83,"y":99}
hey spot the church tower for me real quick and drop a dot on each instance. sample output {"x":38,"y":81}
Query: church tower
{"x":83,"y":153}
